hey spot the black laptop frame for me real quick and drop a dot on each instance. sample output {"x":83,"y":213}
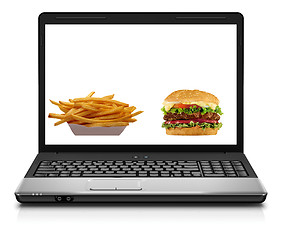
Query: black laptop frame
{"x":140,"y":18}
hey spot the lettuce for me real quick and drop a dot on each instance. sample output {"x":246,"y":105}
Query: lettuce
{"x":163,"y":110}
{"x":193,"y":109}
{"x":193,"y":124}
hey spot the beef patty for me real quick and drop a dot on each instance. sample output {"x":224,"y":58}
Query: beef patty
{"x":184,"y":116}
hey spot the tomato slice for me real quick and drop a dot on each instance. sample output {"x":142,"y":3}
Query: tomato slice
{"x":180,"y":105}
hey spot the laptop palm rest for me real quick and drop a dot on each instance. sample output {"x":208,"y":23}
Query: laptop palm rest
{"x":114,"y":185}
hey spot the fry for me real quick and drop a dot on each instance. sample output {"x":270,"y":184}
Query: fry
{"x":61,"y":121}
{"x":114,"y":110}
{"x":90,"y":94}
{"x":109,"y":96}
{"x":88,"y":107}
{"x":131,"y":115}
{"x":68,"y":104}
{"x":74,"y":111}
{"x":130,"y":120}
{"x":110,"y":116}
{"x":84,"y":113}
{"x":129,"y":109}
{"x":55,"y":103}
{"x":54,"y":115}
{"x":63,"y":109}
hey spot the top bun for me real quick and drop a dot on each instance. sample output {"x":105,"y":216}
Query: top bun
{"x":187,"y":96}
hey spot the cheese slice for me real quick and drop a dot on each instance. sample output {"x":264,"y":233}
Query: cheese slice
{"x":169,"y":105}
{"x":203,"y":104}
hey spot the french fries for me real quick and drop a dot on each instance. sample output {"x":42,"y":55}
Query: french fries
{"x":95,"y":112}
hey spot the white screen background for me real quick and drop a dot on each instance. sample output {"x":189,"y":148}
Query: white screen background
{"x":141,"y":65}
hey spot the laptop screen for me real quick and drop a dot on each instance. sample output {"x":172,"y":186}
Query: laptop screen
{"x":154,"y":84}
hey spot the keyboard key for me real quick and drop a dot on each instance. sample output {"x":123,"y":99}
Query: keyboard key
{"x":187,"y":175}
{"x":196,"y":174}
{"x":60,"y":169}
{"x":93,"y":169}
{"x":143,"y":175}
{"x":231,"y":175}
{"x":55,"y":163}
{"x":239,"y":168}
{"x":75,"y":175}
{"x":165,"y":175}
{"x":74,"y":169}
{"x":46,"y":166}
{"x":46,"y":169}
{"x":171,"y":163}
{"x":205,"y":164}
{"x":64,"y":175}
{"x":87,"y":163}
{"x":53,"y":175}
{"x":177,"y":175}
{"x":45,"y":162}
{"x":40,"y":175}
{"x":242,"y":173}
{"x":228,"y":168}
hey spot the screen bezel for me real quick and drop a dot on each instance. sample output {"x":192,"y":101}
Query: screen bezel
{"x":140,"y":18}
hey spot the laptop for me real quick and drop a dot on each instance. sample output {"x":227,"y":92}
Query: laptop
{"x":140,"y":107}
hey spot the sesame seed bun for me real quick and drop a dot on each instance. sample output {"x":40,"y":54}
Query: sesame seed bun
{"x":191,"y":131}
{"x":185,"y":96}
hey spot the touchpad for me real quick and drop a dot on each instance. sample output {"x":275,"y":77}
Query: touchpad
{"x":114,"y":185}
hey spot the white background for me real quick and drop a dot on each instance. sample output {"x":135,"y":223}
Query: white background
{"x":18,"y":90}
{"x":141,"y":65}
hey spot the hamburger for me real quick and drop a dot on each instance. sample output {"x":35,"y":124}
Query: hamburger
{"x":191,"y":112}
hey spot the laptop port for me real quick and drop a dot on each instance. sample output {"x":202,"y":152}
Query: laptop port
{"x":59,"y":198}
{"x":69,"y":199}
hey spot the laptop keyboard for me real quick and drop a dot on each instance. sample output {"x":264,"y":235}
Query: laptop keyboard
{"x":131,"y":168}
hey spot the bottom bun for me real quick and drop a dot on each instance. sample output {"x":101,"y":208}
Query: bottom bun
{"x":191,"y":131}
